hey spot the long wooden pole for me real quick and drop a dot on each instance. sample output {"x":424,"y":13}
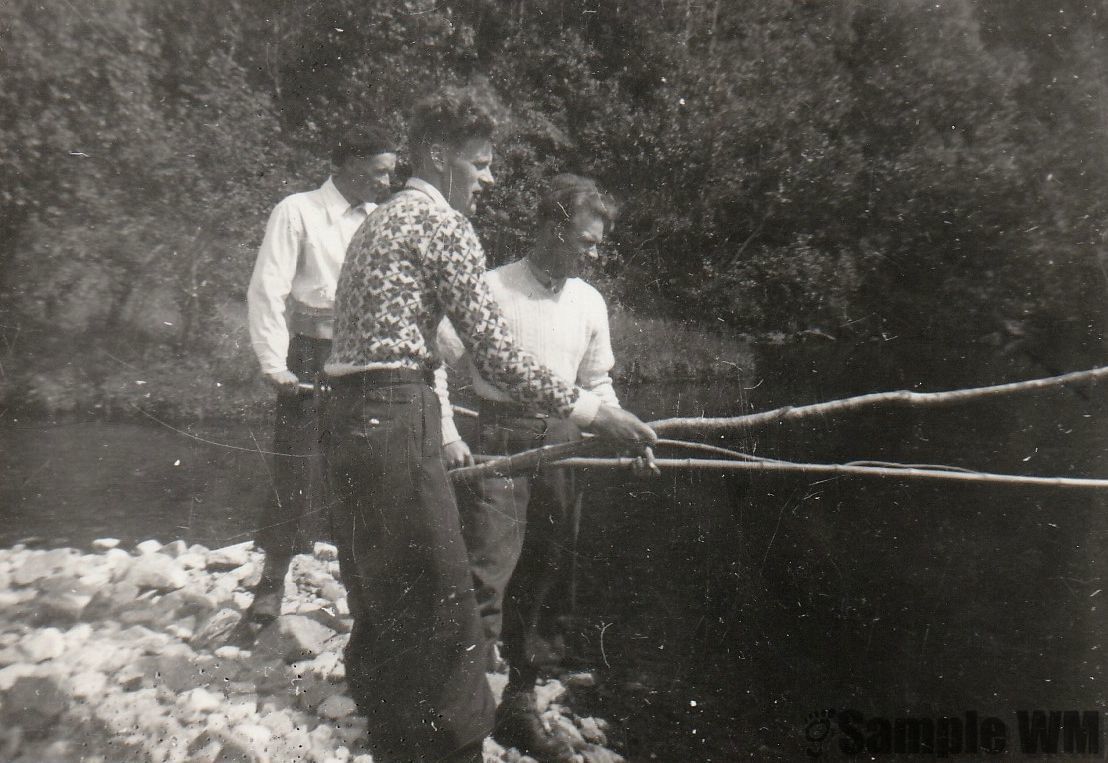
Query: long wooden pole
{"x":531,"y":459}
{"x":715,"y":464}
{"x":702,"y":425}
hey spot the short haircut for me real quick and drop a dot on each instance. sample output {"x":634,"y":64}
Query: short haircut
{"x":569,"y":194}
{"x":361,"y":143}
{"x":450,"y":117}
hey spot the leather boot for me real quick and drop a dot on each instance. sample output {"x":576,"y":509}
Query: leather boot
{"x":518,"y":725}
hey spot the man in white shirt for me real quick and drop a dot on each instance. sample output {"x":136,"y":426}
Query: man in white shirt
{"x":291,"y":301}
{"x":563,"y":322}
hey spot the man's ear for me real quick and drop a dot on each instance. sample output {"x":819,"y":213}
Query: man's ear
{"x":438,"y":154}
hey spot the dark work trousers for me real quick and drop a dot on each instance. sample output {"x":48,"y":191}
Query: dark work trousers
{"x":415,"y":660}
{"x":517,"y":530}
{"x":295,"y":517}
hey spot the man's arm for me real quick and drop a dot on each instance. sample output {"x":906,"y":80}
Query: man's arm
{"x":594,"y":372}
{"x":456,"y":260}
{"x":270,"y":285}
{"x":442,"y":390}
{"x":450,"y":350}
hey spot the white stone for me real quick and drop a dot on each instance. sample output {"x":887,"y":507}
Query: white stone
{"x":96,"y":577}
{"x":229,"y":557}
{"x":199,"y":701}
{"x":12,"y":673}
{"x":191,"y":560}
{"x":78,"y":634}
{"x":103,"y":544}
{"x":88,"y":685}
{"x":46,"y":644}
{"x":580,"y":680}
{"x":547,"y":693}
{"x":325,"y":552}
{"x":175,"y":548}
{"x":227,"y":652}
{"x":241,"y":707}
{"x":564,"y":727}
{"x":256,"y":735}
{"x":9,"y":599}
{"x":118,"y":561}
{"x":337,"y":706}
{"x":150,"y":546}
{"x":157,"y":571}
{"x":591,"y":731}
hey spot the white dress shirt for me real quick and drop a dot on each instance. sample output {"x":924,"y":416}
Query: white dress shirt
{"x":565,"y":329}
{"x":300,"y":257}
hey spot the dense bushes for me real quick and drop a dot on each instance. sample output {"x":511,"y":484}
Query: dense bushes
{"x":860,"y":169}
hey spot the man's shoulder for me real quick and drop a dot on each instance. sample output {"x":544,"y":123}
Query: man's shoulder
{"x":300,"y":200}
{"x":586,"y":291}
{"x":418,"y":207}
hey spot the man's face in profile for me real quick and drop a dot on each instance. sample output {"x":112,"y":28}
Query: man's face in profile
{"x":576,"y":241}
{"x":369,"y":177}
{"x":468,"y":174}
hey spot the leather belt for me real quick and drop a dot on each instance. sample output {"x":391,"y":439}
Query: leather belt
{"x":381,"y":377}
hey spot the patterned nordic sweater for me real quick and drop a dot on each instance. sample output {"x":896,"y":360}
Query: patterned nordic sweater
{"x":412,"y":261}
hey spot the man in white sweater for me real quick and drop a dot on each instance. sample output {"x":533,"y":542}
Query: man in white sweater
{"x":290,"y":314}
{"x":563,"y":322}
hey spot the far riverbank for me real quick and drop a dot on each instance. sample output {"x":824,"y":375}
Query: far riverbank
{"x":104,"y":382}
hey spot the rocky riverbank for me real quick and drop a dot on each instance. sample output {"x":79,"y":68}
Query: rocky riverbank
{"x":117,"y":656}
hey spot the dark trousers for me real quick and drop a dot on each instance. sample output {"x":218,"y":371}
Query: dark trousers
{"x":415,"y":660}
{"x":290,"y":523}
{"x":516,"y":531}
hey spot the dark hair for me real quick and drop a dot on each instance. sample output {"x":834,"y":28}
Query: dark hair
{"x":361,"y":143}
{"x":451,"y":117}
{"x":569,"y":194}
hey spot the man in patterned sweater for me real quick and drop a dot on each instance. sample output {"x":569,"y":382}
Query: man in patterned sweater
{"x":416,"y":656}
{"x":516,"y":528}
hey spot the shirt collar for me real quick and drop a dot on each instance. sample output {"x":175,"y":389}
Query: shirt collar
{"x":421,"y":185}
{"x":544,"y":279}
{"x":336,"y":204}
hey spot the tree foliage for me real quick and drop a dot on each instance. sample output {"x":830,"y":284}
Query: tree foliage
{"x":857,"y":169}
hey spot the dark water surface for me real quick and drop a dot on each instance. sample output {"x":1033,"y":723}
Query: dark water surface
{"x":724,"y":613}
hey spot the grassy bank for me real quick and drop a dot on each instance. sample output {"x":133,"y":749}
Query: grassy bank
{"x":116,"y":380}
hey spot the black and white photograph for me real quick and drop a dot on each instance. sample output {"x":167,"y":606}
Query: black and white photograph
{"x":553,"y":381}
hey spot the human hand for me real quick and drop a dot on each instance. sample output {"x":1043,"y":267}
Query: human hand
{"x":614,"y":423}
{"x":283,"y":381}
{"x":457,"y":454}
{"x":644,"y":466}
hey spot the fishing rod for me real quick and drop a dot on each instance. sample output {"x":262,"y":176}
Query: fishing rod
{"x":573,"y":454}
{"x":859,"y":470}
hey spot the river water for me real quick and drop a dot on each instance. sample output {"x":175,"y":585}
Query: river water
{"x":726,"y":614}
